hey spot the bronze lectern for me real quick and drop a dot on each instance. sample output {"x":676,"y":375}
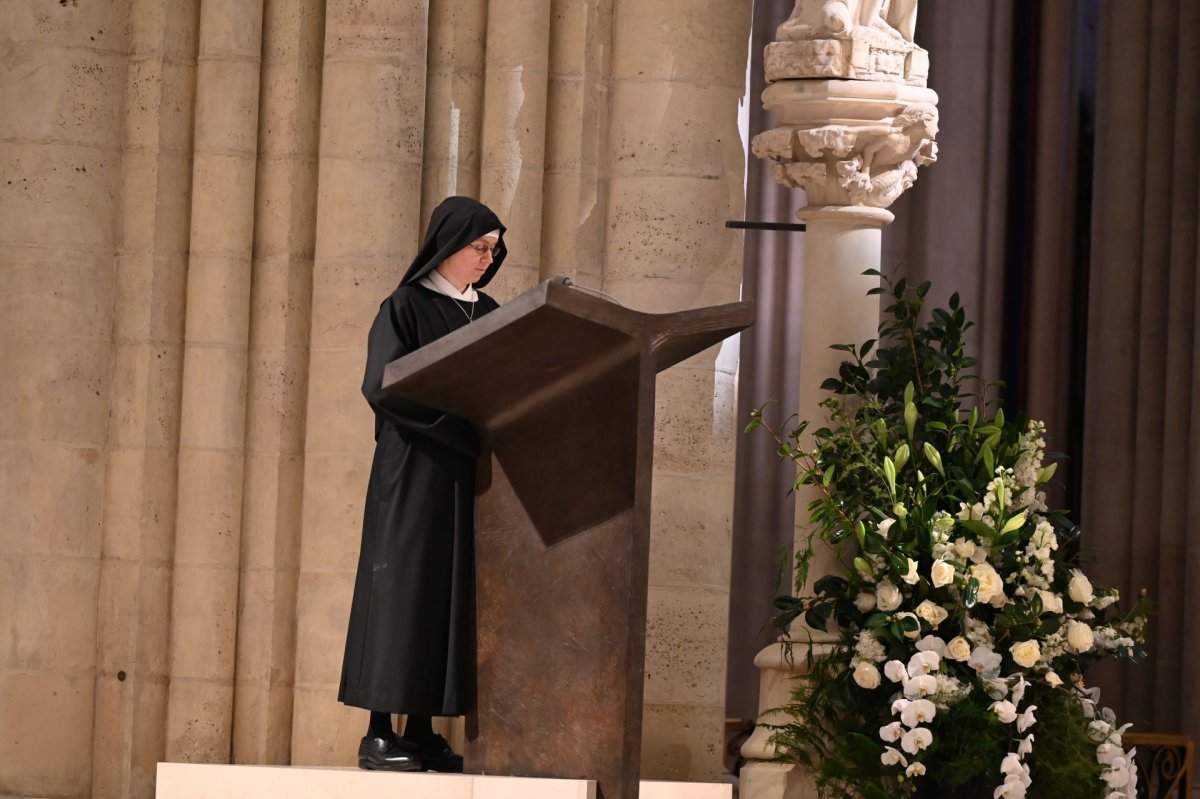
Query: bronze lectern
{"x":560,"y":383}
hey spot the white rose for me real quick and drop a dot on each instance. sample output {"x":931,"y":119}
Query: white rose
{"x":942,"y":573}
{"x":865,"y":602}
{"x":1025,"y":653}
{"x":1079,"y":636}
{"x":958,"y":648}
{"x":991,"y":586}
{"x":887,"y":596}
{"x":1053,"y":680}
{"x":1051,"y":602}
{"x":1080,"y":587}
{"x":964,"y":548}
{"x":911,"y":577}
{"x":932,"y":612}
{"x":866,"y":675}
{"x":913,"y":634}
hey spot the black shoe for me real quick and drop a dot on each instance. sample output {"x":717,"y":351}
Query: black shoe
{"x":436,"y":754}
{"x":387,"y":754}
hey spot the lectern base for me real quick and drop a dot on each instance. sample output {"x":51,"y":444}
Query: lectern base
{"x":203,"y":781}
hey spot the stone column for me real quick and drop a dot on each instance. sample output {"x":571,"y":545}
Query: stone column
{"x":280,"y":300}
{"x":60,"y":157}
{"x":514,"y":134}
{"x":453,"y":101}
{"x":208,"y":520}
{"x":368,"y":220}
{"x":139,"y":496}
{"x":676,"y":169}
{"x":855,"y":121}
{"x":577,"y":122}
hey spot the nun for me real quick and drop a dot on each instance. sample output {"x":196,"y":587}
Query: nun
{"x":410,"y":642}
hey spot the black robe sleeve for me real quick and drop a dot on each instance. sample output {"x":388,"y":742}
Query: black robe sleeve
{"x":392,"y":336}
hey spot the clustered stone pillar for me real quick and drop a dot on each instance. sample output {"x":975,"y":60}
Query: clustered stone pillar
{"x":675,"y":177}
{"x":453,"y":101}
{"x":514,"y":134}
{"x":854,"y":122}
{"x":280,"y":302}
{"x":208,"y":518}
{"x":368,"y":208}
{"x":575,"y":184}
{"x":134,"y":625}
{"x":61,"y":132}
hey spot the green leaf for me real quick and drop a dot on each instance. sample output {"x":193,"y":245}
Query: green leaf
{"x":831,"y":584}
{"x":971,"y":595}
{"x":1014,"y":523}
{"x":1045,"y":473}
{"x":977,"y":527}
{"x":828,"y":476}
{"x":754,"y":425}
{"x":876,"y":621}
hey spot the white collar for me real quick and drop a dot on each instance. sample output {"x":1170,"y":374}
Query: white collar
{"x":434,"y":280}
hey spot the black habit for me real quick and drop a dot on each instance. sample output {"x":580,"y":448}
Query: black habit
{"x":410,"y":643}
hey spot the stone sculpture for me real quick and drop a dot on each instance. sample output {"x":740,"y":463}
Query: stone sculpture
{"x":870,"y":164}
{"x":860,"y":39}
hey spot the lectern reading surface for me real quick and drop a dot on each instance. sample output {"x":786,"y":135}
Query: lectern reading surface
{"x":560,"y":384}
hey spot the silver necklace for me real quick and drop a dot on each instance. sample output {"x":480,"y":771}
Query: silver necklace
{"x":470,"y":316}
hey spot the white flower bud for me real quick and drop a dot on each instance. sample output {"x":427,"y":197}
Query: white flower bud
{"x":866,"y":675}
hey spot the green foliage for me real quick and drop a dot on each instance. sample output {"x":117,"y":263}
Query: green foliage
{"x":934,"y":501}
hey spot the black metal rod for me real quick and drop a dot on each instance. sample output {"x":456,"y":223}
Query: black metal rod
{"x":740,"y":225}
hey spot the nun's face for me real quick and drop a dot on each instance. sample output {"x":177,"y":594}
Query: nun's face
{"x":468,"y":264}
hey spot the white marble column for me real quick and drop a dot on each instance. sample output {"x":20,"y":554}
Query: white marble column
{"x":855,"y":122}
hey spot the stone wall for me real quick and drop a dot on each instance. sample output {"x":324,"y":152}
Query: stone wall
{"x":201,"y":204}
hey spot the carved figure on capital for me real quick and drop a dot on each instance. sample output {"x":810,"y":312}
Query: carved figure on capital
{"x":826,"y":19}
{"x":865,"y":164}
{"x":857,"y":39}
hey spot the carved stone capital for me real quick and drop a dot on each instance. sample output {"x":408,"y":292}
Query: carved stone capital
{"x":849,"y":143}
{"x":849,"y":39}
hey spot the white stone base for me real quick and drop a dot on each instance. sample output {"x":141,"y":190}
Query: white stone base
{"x":205,"y":781}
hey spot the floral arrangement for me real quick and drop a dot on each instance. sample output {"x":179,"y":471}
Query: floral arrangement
{"x":964,"y":620}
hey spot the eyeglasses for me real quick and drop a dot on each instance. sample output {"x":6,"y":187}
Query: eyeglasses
{"x":482,"y":250}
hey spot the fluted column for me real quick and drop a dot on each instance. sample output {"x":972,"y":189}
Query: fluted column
{"x":514,"y":134}
{"x":368,"y":221}
{"x":62,"y":83}
{"x":139,"y":494}
{"x":277,"y":385}
{"x":208,"y":520}
{"x":855,"y":122}
{"x":676,"y":174}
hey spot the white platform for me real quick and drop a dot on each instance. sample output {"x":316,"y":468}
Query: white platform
{"x":203,"y":781}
